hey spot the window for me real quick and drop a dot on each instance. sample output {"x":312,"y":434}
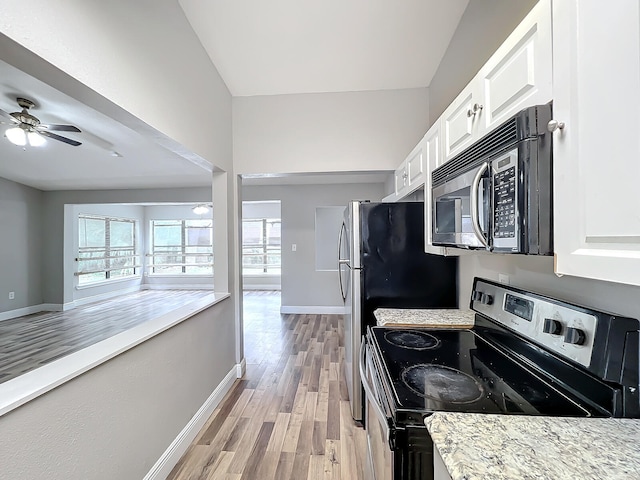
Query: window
{"x":261,"y":246}
{"x":182,"y":247}
{"x":106,"y":249}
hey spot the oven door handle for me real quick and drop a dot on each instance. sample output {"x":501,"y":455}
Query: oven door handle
{"x":384,"y":422}
{"x":475,"y":218}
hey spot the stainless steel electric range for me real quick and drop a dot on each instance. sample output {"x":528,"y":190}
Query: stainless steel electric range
{"x":526,"y":355}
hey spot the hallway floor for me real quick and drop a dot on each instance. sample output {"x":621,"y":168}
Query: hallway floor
{"x":289,"y":417}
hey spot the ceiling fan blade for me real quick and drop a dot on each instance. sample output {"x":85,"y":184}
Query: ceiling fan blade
{"x":60,"y":128}
{"x":8,"y":116}
{"x":60,"y":138}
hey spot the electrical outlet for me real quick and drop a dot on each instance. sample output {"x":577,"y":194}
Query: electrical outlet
{"x":504,"y":279}
{"x":293,"y":247}
{"x":12,"y":295}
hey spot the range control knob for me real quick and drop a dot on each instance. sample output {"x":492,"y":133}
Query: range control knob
{"x":554,"y":327}
{"x":574,"y":336}
{"x":486,"y":299}
{"x":476,"y":295}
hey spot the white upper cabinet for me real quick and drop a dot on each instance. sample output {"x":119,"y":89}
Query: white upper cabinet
{"x":432,"y":157}
{"x":410,"y":175}
{"x":400,"y":181}
{"x":596,"y":68}
{"x":460,"y":121}
{"x":415,"y":166}
{"x":519,"y":73}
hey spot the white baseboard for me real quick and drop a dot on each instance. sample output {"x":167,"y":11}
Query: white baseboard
{"x":105,"y":296}
{"x":241,"y":368}
{"x":178,"y":447}
{"x":19,"y":312}
{"x":304,"y":309}
{"x":43,"y":307}
{"x":177,"y":286}
{"x":58,"y":307}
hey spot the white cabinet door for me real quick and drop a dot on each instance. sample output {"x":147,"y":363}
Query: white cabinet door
{"x":432,"y":157}
{"x":596,"y":65}
{"x":401,"y":180}
{"x":409,"y":176}
{"x":460,"y":120}
{"x":519,"y":74}
{"x":415,"y":166}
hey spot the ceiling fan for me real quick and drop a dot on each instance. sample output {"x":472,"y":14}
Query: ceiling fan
{"x":29,"y":130}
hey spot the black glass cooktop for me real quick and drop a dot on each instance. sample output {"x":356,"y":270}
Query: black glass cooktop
{"x":458,"y":371}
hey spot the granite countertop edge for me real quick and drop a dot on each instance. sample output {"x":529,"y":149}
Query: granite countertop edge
{"x":504,"y":447}
{"x":420,"y":316}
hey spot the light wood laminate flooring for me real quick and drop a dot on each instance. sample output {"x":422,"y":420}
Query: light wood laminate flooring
{"x":31,"y":341}
{"x":289,"y":417}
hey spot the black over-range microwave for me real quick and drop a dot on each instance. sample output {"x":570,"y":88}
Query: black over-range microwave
{"x":497,"y":194}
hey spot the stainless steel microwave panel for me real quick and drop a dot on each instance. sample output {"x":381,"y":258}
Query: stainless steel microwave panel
{"x":452,"y":211}
{"x":506,"y":215}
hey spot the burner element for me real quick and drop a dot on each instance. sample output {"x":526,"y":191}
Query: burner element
{"x":412,"y":339}
{"x":444,"y":384}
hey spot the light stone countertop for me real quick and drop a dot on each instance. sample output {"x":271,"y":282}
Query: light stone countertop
{"x":507,"y":447}
{"x":425,"y":317}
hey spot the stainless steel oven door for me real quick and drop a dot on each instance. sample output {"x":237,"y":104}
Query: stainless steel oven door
{"x":462,"y":209}
{"x":380,"y":456}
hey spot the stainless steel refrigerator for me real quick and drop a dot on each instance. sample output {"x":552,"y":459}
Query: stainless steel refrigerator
{"x":382,"y":264}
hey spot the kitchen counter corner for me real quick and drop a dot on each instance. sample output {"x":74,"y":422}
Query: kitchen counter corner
{"x":504,"y":447}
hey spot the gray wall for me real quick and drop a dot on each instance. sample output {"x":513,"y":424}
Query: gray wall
{"x":325,"y":132}
{"x":302,"y":285}
{"x":21,"y":239}
{"x":485,"y":24}
{"x":483,"y":27}
{"x":536,"y":273}
{"x":115,"y":421}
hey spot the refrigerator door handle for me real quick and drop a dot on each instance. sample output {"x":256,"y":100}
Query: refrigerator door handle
{"x":341,"y":261}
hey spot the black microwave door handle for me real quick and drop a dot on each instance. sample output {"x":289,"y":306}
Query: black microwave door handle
{"x":475,"y":220}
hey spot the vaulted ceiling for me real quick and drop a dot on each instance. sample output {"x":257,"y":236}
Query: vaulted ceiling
{"x":291,"y":46}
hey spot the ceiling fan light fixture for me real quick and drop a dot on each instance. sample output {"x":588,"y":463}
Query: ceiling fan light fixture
{"x":200,"y":209}
{"x":17,"y":136}
{"x":35,"y":139}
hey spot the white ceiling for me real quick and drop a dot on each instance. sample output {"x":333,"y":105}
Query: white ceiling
{"x":58,"y":166}
{"x":293,"y":46}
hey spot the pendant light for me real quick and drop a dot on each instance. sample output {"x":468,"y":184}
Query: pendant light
{"x":200,"y":209}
